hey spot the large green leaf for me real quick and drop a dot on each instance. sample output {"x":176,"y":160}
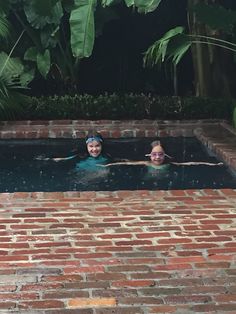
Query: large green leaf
{"x":177,"y":47}
{"x":38,"y":21}
{"x":44,"y":62}
{"x":4,"y":27}
{"x":82,"y":28}
{"x":43,"y":7}
{"x":31,"y":54}
{"x":166,"y":47}
{"x":129,"y":3}
{"x":106,"y":3}
{"x":10,"y":69}
{"x":26,"y":77}
{"x":10,"y":101}
{"x":160,"y":51}
{"x":12,"y":76}
{"x":146,"y":6}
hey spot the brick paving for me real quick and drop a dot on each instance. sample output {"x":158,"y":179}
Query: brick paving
{"x":123,"y":252}
{"x":126,"y":252}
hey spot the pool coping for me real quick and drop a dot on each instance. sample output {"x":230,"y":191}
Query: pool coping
{"x":216,"y":135}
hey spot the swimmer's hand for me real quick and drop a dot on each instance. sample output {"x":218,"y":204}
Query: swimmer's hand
{"x":41,"y":157}
{"x":196,"y":163}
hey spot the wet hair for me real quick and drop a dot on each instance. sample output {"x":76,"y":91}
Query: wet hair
{"x":156,"y":143}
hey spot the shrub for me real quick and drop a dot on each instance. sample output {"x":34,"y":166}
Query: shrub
{"x":126,"y":106}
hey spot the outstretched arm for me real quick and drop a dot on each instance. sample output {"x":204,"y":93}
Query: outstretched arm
{"x":41,"y":157}
{"x":132,"y":163}
{"x":195,"y":163}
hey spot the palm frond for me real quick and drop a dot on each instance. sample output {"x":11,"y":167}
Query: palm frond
{"x":4,"y":27}
{"x":162,"y":49}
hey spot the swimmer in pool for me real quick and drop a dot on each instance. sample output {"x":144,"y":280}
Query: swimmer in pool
{"x":160,"y":160}
{"x":94,"y":156}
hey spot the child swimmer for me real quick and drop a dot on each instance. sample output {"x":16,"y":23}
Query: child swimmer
{"x":158,"y":159}
{"x":94,"y":156}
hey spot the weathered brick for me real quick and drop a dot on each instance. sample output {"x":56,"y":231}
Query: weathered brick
{"x":45,"y":304}
{"x":91,"y":302}
{"x":183,"y":299}
{"x":134,"y":283}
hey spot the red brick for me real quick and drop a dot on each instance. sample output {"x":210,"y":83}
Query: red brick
{"x":7,"y":305}
{"x":140,"y":300}
{"x":213,"y":265}
{"x":214,"y":239}
{"x":174,"y":241}
{"x":47,"y":304}
{"x":133,"y":243}
{"x":183,"y":299}
{"x":62,"y":278}
{"x":186,"y":260}
{"x":163,"y":309}
{"x":134,"y":283}
{"x":172,"y":267}
{"x":226,"y":298}
{"x":90,"y":269}
{"x":213,"y":308}
{"x":153,"y":235}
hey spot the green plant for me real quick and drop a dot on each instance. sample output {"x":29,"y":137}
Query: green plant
{"x":126,"y":106}
{"x":234,"y":117}
{"x":13,"y":76}
{"x":210,"y":28}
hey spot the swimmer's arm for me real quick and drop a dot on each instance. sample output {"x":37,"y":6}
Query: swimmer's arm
{"x":195,"y":163}
{"x":56,"y":159}
{"x":64,"y":158}
{"x":129,"y":163}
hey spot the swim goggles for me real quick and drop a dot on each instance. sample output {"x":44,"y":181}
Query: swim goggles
{"x":94,"y":138}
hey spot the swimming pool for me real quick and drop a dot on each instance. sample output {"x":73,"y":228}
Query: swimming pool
{"x":20,"y":171}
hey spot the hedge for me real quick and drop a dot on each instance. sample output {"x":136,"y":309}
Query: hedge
{"x":127,"y":106}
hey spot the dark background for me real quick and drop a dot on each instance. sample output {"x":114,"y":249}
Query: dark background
{"x":116,"y":64}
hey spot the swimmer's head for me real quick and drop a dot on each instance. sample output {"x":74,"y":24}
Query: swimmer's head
{"x":94,"y":142}
{"x":157,"y":154}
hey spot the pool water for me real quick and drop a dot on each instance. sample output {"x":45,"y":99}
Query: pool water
{"x":20,"y":169}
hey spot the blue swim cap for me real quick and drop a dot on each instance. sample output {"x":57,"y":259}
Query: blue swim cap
{"x":94,"y":138}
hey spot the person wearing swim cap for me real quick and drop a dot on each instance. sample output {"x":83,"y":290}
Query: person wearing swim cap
{"x":95,"y":156}
{"x":92,"y":159}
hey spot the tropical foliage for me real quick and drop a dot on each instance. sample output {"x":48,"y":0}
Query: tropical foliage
{"x":59,"y":33}
{"x":211,"y":27}
{"x":13,"y":76}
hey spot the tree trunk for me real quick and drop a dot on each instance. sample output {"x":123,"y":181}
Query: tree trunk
{"x":212,"y":65}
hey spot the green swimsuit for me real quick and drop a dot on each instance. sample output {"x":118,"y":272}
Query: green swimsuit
{"x":91,"y":163}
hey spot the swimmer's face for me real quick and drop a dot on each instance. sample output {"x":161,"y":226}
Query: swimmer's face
{"x":157,"y":155}
{"x":94,"y":148}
